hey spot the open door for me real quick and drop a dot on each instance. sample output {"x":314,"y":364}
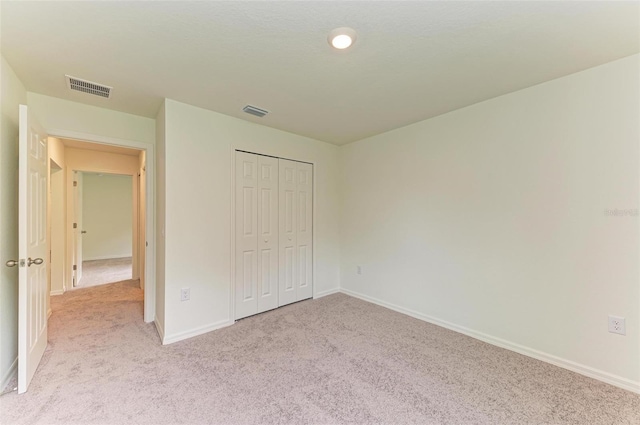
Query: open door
{"x":77,"y":227}
{"x":32,"y":247}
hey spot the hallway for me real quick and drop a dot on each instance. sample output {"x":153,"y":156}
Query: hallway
{"x":100,"y":272}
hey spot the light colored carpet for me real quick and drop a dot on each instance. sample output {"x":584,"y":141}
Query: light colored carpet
{"x":100,"y":272}
{"x":335,"y":360}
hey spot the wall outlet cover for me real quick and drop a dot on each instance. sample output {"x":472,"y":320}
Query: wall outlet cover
{"x":617,"y":325}
{"x":185,"y":294}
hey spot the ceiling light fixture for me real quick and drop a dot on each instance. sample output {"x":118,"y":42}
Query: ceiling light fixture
{"x":341,"y":38}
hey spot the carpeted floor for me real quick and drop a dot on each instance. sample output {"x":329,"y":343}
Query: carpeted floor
{"x":335,"y":360}
{"x":100,"y":272}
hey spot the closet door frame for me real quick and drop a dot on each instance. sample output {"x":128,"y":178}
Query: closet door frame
{"x":275,"y":154}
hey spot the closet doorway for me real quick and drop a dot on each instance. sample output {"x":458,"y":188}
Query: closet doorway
{"x":273,"y":232}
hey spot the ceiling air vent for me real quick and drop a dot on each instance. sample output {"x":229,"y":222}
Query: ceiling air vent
{"x":255,"y":111}
{"x":85,"y":86}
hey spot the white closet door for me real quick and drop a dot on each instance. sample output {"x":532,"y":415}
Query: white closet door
{"x":267,"y":233}
{"x":246,"y":235}
{"x":296,"y":242}
{"x":288,"y":281}
{"x":304,"y":247}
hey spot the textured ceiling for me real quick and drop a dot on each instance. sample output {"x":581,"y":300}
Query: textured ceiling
{"x":411,"y":61}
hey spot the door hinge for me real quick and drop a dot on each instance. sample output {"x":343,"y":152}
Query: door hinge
{"x":75,"y":267}
{"x":75,"y":225}
{"x":75,"y":183}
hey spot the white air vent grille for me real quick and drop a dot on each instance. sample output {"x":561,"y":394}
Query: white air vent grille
{"x":85,"y":86}
{"x":255,"y":111}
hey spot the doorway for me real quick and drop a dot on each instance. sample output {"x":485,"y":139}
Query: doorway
{"x":104,"y":236}
{"x":84,"y":162}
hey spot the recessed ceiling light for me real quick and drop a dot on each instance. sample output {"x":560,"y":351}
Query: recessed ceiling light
{"x":341,"y":38}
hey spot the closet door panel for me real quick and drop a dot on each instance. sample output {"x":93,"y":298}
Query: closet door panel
{"x":288,"y":281}
{"x":246,"y":280}
{"x":304,"y":234}
{"x":268,"y":233}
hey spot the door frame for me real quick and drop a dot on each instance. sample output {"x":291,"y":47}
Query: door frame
{"x":76,"y":217}
{"x":265,"y":152}
{"x":150,"y":228}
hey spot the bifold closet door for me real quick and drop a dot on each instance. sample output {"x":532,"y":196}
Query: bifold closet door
{"x":296,"y":247}
{"x":256,"y":231}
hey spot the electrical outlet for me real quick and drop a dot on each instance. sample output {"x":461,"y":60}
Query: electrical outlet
{"x":617,"y":325}
{"x":185,"y":294}
{"x":358,"y":269}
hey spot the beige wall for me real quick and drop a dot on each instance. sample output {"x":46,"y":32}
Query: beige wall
{"x":56,"y":148}
{"x":198,"y":153}
{"x":62,"y":117}
{"x":491,"y":220}
{"x":56,"y":216}
{"x":57,"y":235}
{"x":13,"y":94}
{"x":107,"y":205}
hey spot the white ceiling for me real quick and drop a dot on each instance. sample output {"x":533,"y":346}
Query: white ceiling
{"x":411,"y":61}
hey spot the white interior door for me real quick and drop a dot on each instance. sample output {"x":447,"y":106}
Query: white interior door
{"x":296,"y":231}
{"x":274,"y":233}
{"x":32,"y":247}
{"x":77,"y":210}
{"x":304,"y":236}
{"x":288,"y":280}
{"x":267,"y":233}
{"x":246,"y":290}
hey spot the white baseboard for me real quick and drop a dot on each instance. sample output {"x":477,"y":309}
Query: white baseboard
{"x":106,"y":257}
{"x":49,"y":313}
{"x":170,"y":339}
{"x":600,"y":375}
{"x":57,"y":292}
{"x":325,"y":293}
{"x":159,"y":328}
{"x":9,"y":374}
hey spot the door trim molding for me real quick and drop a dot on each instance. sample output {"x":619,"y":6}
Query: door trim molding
{"x":171,"y":338}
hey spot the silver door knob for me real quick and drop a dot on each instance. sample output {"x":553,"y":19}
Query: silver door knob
{"x":37,"y":261}
{"x":12,"y":263}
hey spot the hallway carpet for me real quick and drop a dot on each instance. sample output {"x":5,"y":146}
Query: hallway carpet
{"x":335,"y":360}
{"x":100,"y":272}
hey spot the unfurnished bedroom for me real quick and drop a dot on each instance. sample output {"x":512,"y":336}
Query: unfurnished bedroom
{"x":320,"y":212}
